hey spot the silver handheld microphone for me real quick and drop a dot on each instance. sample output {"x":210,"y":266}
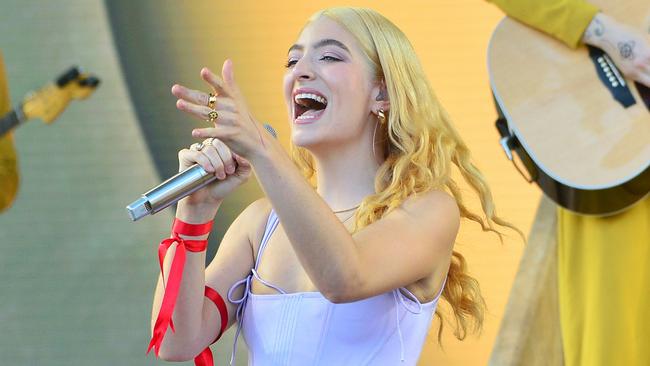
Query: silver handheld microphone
{"x":174,"y":189}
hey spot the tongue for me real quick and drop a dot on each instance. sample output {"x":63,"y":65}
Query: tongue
{"x":311,"y":112}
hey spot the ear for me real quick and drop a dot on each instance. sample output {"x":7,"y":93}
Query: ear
{"x":380,"y":96}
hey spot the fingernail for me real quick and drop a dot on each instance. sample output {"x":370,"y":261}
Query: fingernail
{"x":196,"y":133}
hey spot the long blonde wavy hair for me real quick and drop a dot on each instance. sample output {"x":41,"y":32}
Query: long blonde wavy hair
{"x":420,"y":146}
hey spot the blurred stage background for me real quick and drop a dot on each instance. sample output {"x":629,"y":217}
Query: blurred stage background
{"x":77,"y":275}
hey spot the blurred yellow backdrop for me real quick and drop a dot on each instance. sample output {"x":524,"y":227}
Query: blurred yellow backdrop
{"x":124,"y":139}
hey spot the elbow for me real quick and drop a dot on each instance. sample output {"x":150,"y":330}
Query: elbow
{"x":177,"y":353}
{"x":337,"y":298}
{"x":344,"y":292}
{"x":174,"y":356}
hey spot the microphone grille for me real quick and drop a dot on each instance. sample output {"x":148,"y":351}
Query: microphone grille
{"x":271,"y":130}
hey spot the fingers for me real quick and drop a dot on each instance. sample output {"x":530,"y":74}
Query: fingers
{"x":241,"y":162}
{"x":201,"y":98}
{"x":189,"y":157}
{"x":224,"y":85}
{"x":196,"y":102}
{"x":214,"y":157}
{"x":190,"y":95}
{"x":219,"y":131}
{"x":644,"y":78}
{"x":215,"y":82}
{"x":220,"y":150}
{"x":228,"y":75}
{"x":644,"y":71}
{"x":201,"y":111}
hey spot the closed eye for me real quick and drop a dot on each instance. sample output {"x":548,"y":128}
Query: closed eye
{"x":291,"y":63}
{"x":330,"y":58}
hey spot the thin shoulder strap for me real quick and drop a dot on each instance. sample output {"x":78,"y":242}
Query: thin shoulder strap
{"x":271,"y":224}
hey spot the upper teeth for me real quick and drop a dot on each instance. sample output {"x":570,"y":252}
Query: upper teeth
{"x":315,"y":97}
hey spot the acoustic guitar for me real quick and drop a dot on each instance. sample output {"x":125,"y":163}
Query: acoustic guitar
{"x":577,"y":127}
{"x":47,"y":104}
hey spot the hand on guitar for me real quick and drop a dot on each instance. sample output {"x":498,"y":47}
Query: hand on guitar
{"x":629,"y":48}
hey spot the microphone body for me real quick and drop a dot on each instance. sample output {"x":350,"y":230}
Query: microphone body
{"x":170,"y":191}
{"x":173,"y":189}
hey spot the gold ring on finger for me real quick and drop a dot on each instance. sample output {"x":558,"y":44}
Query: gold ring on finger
{"x":208,"y":142}
{"x":213,"y":115}
{"x":196,"y":146}
{"x":212,"y":100}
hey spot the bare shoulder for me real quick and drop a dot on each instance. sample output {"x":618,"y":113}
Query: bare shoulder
{"x":434,"y":199}
{"x":436,"y":212}
{"x":253,"y":219}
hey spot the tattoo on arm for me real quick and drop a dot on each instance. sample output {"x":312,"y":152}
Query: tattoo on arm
{"x":596,"y":29}
{"x":599,"y":28}
{"x":626,"y":49}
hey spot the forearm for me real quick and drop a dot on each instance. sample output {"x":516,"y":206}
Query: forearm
{"x":323,"y":245}
{"x":188,"y":311}
{"x":594,"y":34}
{"x":605,"y":33}
{"x":189,"y":304}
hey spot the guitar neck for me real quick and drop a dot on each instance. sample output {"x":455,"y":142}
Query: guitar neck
{"x":10,"y":120}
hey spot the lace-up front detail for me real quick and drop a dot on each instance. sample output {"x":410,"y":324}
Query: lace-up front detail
{"x":304,"y":328}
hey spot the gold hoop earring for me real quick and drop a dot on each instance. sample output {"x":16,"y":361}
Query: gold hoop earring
{"x":382,"y":116}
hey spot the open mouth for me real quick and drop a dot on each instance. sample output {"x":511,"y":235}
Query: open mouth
{"x":308,"y":106}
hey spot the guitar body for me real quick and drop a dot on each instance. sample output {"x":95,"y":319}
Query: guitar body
{"x":586,"y":150}
{"x":8,"y":163}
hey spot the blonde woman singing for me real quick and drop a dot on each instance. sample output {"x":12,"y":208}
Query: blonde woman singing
{"x":346,"y":258}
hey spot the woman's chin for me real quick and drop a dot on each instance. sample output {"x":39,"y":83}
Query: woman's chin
{"x":302,"y":141}
{"x":305,"y":139}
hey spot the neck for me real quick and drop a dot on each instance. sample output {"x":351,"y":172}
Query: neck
{"x":8,"y":122}
{"x":345,"y":173}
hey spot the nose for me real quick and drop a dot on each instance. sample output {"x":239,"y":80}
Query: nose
{"x":302,"y":69}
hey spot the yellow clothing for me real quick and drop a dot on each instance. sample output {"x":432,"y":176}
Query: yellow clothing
{"x":565,"y":20}
{"x":8,"y":160}
{"x":604,"y":287}
{"x":603,"y":263}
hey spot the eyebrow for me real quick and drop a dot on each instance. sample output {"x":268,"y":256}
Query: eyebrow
{"x":321,"y":43}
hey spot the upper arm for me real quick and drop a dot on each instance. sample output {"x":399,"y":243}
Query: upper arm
{"x":408,"y":244}
{"x":232,"y":262}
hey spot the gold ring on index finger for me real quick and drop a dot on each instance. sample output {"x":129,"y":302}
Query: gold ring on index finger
{"x":212,"y":115}
{"x":212,"y":100}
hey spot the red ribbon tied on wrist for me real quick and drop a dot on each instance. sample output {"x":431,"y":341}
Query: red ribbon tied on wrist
{"x":164,"y":319}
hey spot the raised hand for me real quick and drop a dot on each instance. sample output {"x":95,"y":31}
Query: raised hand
{"x":234,"y":137}
{"x":234,"y":125}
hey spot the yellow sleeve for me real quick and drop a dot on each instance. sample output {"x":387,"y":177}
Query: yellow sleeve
{"x":8,"y":159}
{"x":565,"y":20}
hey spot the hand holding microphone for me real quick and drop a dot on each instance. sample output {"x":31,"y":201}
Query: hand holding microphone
{"x":210,"y":170}
{"x":229,"y":169}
